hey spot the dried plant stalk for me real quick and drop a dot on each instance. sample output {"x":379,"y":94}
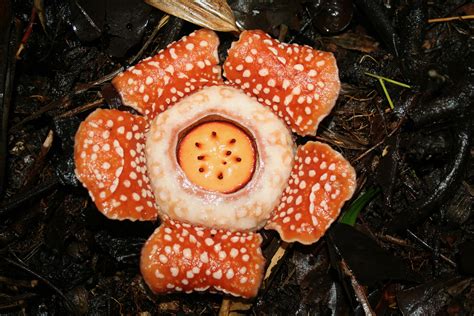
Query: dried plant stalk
{"x":213,"y":14}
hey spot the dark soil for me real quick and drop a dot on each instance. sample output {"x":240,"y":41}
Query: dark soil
{"x":411,"y":250}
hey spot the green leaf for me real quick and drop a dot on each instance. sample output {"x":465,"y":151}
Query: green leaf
{"x":349,"y":217}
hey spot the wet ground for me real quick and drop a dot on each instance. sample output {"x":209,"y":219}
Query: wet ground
{"x":409,"y":250}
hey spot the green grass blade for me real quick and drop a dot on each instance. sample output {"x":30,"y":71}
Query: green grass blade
{"x":398,"y":83}
{"x":387,"y":95}
{"x":349,"y":217}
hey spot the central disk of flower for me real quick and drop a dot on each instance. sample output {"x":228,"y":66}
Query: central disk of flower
{"x":217,"y":156}
{"x":220,"y":159}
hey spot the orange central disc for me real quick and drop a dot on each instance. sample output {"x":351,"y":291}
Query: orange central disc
{"x":217,"y":156}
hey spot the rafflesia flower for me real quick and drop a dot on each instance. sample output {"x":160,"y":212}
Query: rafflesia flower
{"x":216,"y":160}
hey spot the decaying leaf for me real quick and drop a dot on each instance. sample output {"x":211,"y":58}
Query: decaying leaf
{"x":213,"y":14}
{"x":353,"y":41}
{"x":39,"y":6}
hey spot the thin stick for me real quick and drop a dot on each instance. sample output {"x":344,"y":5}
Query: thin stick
{"x":18,"y":283}
{"x":22,"y":266}
{"x":83,"y":87}
{"x":421,"y":241}
{"x":451,"y":18}
{"x":393,"y":240}
{"x":16,"y":200}
{"x":358,"y":290}
{"x":15,"y":301}
{"x":85,"y":107}
{"x":163,"y":21}
{"x":402,"y":120}
{"x":34,"y":171}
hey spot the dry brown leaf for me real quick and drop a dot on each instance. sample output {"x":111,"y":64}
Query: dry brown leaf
{"x":213,"y":14}
{"x":354,"y":41}
{"x":39,"y":6}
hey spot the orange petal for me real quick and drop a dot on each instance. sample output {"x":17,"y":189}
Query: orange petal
{"x":181,"y":257}
{"x":155,"y":83}
{"x":110,"y":162}
{"x":320,"y":182}
{"x":299,"y":83}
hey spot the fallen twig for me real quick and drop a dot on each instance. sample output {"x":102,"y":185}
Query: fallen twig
{"x":15,"y":301}
{"x":83,"y":87}
{"x":358,"y":289}
{"x":400,"y":123}
{"x":19,"y":199}
{"x":70,"y":306}
{"x":36,"y":168}
{"x":451,"y":18}
{"x":92,"y":105}
{"x":18,"y":283}
{"x":421,"y":241}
